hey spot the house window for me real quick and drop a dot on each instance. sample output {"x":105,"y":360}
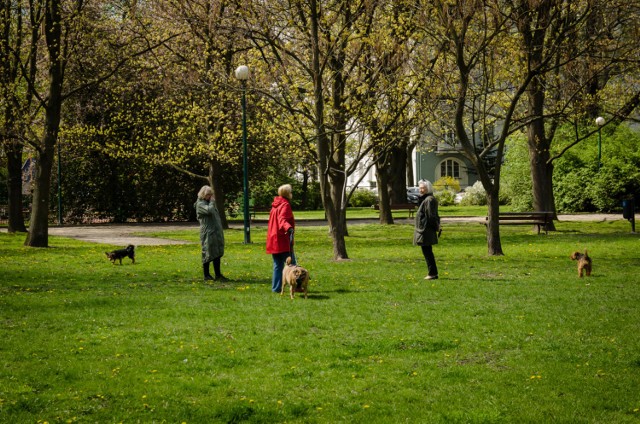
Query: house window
{"x":450,"y":168}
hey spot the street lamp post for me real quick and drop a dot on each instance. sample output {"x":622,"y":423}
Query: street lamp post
{"x":242,"y":73}
{"x":59,"y":187}
{"x":599,"y":122}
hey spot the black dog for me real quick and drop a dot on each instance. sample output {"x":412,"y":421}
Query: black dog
{"x":118,"y":255}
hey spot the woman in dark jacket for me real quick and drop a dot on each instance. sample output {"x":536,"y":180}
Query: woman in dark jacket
{"x":427,"y":226}
{"x":280,"y":234}
{"x":211,"y":234}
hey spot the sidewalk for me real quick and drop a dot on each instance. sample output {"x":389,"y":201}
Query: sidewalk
{"x":123,"y":234}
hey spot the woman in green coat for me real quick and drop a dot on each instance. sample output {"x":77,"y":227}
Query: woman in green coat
{"x":427,"y":226}
{"x":211,"y":234}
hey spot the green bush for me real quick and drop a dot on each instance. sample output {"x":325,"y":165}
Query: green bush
{"x":362,"y":198}
{"x":515,"y":181}
{"x":445,"y":197}
{"x":447,"y":183}
{"x":475,"y":195}
{"x":579,"y":185}
{"x":264,"y":191}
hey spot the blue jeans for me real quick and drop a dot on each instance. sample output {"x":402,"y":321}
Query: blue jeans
{"x":279,"y":262}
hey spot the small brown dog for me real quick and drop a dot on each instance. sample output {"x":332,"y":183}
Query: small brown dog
{"x":118,"y":255}
{"x":584,"y":262}
{"x":296,"y":277}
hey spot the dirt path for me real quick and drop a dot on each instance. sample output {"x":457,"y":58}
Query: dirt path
{"x":123,"y":234}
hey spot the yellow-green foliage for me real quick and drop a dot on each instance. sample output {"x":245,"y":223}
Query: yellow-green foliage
{"x":447,"y":183}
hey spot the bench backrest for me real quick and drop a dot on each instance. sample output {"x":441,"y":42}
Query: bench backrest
{"x":522,"y":216}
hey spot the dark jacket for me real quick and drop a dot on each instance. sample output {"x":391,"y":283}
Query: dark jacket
{"x":211,"y":234}
{"x":280,"y":221}
{"x":427,"y":221}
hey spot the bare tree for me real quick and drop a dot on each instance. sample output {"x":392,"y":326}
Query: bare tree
{"x":579,"y":49}
{"x":476,"y":88}
{"x":18,"y":52}
{"x":70,"y":28}
{"x":314,"y":45}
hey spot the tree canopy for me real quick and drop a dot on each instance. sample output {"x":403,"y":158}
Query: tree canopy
{"x":334,"y":87}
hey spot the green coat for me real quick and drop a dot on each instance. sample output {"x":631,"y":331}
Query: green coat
{"x":211,"y":235}
{"x":427,"y":222}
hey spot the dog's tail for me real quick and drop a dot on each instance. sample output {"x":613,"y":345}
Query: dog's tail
{"x":586,"y":255}
{"x":288,"y":260}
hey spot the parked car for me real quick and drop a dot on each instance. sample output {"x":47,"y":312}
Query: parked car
{"x":412,"y":194}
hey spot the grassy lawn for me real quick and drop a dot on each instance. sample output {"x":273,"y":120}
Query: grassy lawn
{"x":513,"y":339}
{"x":370,"y":213}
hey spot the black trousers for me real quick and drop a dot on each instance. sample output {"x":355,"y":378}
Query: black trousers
{"x":427,"y":251}
{"x":216,"y":267}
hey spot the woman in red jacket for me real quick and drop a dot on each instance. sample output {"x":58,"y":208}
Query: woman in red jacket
{"x":280,"y":234}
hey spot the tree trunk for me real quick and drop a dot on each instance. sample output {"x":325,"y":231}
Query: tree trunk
{"x":9,"y":64}
{"x":494,"y":245}
{"x":539,"y":146}
{"x":14,"y":187}
{"x":337,"y":222}
{"x":331,"y":152}
{"x":39,"y":224}
{"x":38,"y":235}
{"x":542,"y":183}
{"x":386,"y":217}
{"x":534,"y":34}
{"x":396,"y":171}
{"x":409,"y":170}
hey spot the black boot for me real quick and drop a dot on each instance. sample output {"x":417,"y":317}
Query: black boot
{"x":207,"y":274}
{"x":216,"y":268}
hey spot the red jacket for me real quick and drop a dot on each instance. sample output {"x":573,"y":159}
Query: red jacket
{"x":280,"y":220}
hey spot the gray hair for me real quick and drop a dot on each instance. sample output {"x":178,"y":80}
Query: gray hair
{"x":427,"y":184}
{"x":285,"y":191}
{"x":204,"y":191}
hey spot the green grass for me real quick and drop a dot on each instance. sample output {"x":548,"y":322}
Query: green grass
{"x":370,"y":213}
{"x":506,"y":339}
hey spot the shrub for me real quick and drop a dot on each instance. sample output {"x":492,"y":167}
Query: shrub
{"x":264,"y":191}
{"x":475,"y":195}
{"x":445,"y":197}
{"x":515,"y":181}
{"x":581,"y":186}
{"x":447,"y":183}
{"x":362,"y":198}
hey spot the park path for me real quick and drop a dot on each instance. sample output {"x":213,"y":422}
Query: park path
{"x":123,"y":234}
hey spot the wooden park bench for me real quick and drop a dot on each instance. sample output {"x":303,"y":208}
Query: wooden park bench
{"x":253,"y":210}
{"x":539,"y":219}
{"x":401,"y":207}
